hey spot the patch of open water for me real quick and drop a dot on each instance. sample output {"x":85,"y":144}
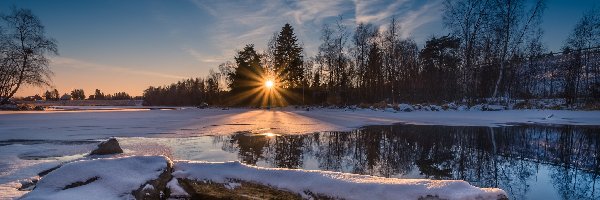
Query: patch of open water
{"x":527,"y":161}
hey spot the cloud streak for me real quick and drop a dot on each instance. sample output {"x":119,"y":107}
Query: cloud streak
{"x":254,"y":22}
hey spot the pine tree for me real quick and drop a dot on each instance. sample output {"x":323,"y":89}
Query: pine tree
{"x":288,"y":58}
{"x":247,"y":76}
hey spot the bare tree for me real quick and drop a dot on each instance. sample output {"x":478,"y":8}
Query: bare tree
{"x":583,"y":69}
{"x":513,"y":23}
{"x":493,"y":33}
{"x":332,"y":55}
{"x":466,"y":20}
{"x":24,"y":50}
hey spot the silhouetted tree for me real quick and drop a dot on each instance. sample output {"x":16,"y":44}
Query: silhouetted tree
{"x":288,"y":61}
{"x":248,"y":75}
{"x":121,"y":96}
{"x":440,"y":62}
{"x":98,"y":95}
{"x":582,"y":68}
{"x":78,"y":94}
{"x":24,"y":52}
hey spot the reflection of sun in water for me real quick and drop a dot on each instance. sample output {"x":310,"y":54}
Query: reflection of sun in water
{"x":270,"y":134}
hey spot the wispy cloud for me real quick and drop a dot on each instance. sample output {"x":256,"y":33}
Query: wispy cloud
{"x":316,"y":11}
{"x":414,"y":19}
{"x":203,"y":58}
{"x":376,"y":11}
{"x":239,"y":23}
{"x":80,"y":64}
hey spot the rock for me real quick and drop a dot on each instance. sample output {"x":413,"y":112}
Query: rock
{"x":111,"y":146}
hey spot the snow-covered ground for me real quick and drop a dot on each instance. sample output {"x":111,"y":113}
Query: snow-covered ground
{"x":193,"y":122}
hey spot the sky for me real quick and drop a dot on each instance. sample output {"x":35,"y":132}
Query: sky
{"x":118,"y":45}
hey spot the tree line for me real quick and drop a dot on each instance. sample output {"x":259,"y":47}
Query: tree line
{"x":493,"y":52}
{"x":193,"y":91}
{"x":79,"y":94}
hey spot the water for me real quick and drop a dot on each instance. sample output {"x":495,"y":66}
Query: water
{"x":528,"y":162}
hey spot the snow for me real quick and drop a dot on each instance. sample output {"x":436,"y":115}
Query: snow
{"x":148,"y":187}
{"x":116,"y":178}
{"x":176,"y":189}
{"x":405,"y":107}
{"x":333,"y":184}
{"x":193,"y":122}
{"x":21,"y":161}
{"x":232,"y":186}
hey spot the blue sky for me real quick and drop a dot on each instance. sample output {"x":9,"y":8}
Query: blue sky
{"x":118,"y":45}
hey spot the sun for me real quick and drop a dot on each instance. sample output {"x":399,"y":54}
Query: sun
{"x":269,"y":83}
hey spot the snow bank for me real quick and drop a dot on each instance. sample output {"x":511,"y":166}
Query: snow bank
{"x":334,"y":184}
{"x":114,"y":178}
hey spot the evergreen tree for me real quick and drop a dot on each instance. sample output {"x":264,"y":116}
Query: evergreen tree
{"x":288,"y":58}
{"x":439,"y":63}
{"x":247,"y":76}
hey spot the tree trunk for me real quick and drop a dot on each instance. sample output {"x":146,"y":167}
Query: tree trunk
{"x":21,"y":76}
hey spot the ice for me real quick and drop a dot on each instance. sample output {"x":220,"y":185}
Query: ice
{"x":193,"y":122}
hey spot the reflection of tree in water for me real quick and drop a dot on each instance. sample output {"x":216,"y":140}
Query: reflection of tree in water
{"x":505,"y":157}
{"x":288,"y":151}
{"x":250,"y":148}
{"x":575,"y":171}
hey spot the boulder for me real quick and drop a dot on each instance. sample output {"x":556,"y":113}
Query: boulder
{"x":111,"y":146}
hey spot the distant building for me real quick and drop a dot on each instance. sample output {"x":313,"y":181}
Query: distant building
{"x":66,"y":97}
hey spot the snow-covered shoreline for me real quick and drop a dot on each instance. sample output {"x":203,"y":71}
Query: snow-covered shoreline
{"x":132,"y":176}
{"x":333,"y":184}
